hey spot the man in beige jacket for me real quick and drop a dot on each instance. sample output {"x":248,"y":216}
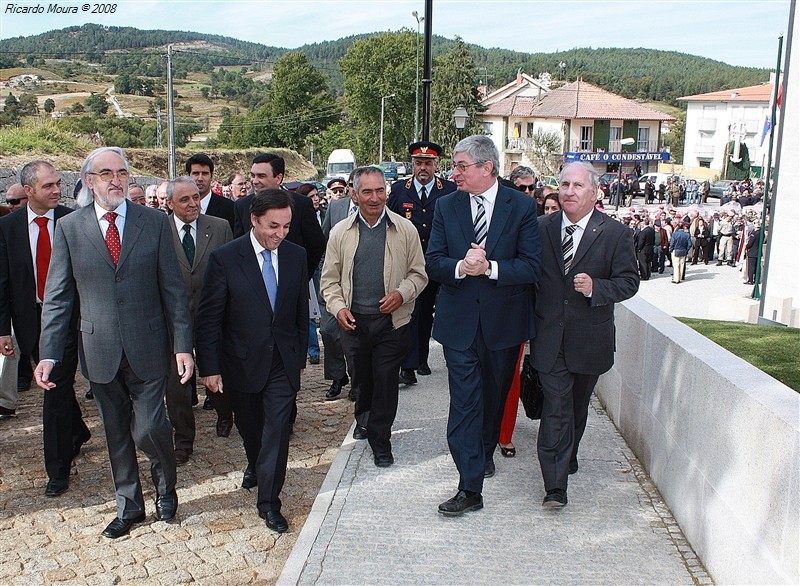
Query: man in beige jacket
{"x":374,"y":270}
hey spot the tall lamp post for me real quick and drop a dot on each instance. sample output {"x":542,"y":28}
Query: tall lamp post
{"x":415,"y":14}
{"x":460,"y":116}
{"x":380,"y":148}
{"x":623,"y":142}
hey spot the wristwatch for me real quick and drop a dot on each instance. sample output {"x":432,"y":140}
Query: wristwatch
{"x":488,"y":272}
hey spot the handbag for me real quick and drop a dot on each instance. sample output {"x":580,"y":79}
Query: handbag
{"x":530,"y":391}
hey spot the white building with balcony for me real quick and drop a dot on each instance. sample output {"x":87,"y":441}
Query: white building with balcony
{"x":713,"y":119}
{"x":587,"y":120}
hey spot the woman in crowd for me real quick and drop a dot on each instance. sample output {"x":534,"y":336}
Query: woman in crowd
{"x":702,"y":240}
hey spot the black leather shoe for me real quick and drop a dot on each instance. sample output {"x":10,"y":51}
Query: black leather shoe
{"x":489,"y":470}
{"x":461,"y":503}
{"x":182,"y":455}
{"x":119,"y":527}
{"x":407,"y":377}
{"x":384,"y":460}
{"x":360,"y":432}
{"x":556,"y":497}
{"x":573,"y":467}
{"x":249,"y":479}
{"x":334,"y":392}
{"x":207,"y":406}
{"x":224,"y":427}
{"x":166,"y":506}
{"x":56,"y":486}
{"x":275,"y":521}
{"x":76,"y":447}
{"x":89,"y":394}
{"x":23,"y":384}
{"x":424,"y":369}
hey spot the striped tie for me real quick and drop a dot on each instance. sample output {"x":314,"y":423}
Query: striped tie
{"x":481,"y":228}
{"x":566,"y":247}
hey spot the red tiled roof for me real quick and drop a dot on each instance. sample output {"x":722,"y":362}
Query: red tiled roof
{"x":753,"y":93}
{"x":576,"y":100}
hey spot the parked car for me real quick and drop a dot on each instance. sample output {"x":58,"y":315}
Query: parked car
{"x":403,"y":168}
{"x":390,"y":172}
{"x":551,"y":182}
{"x":657,"y":178}
{"x":718,"y":188}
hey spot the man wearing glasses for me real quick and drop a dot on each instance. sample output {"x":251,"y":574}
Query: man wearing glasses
{"x":415,"y":200}
{"x":117,"y":261}
{"x":16,"y":198}
{"x":485,"y":252}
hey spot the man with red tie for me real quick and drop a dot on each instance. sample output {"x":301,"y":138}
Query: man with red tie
{"x":26,"y":238}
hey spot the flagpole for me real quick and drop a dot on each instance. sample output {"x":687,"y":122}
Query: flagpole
{"x":757,"y":294}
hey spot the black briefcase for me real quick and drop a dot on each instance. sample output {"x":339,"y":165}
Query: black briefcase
{"x":530,"y":391}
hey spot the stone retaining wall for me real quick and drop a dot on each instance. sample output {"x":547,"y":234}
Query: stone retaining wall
{"x":720,"y":439}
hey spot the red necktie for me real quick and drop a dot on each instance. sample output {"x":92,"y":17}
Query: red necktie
{"x":112,"y":237}
{"x":42,"y":255}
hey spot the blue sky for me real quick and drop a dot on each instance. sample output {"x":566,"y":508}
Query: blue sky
{"x":735,"y":32}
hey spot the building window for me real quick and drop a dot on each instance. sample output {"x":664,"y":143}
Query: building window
{"x":615,"y":134}
{"x":587,"y":135}
{"x":644,"y":140}
{"x":487,"y":128}
{"x":530,"y":130}
{"x":704,"y":163}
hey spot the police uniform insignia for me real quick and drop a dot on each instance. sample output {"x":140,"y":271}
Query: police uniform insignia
{"x":408,"y":215}
{"x":407,"y":205}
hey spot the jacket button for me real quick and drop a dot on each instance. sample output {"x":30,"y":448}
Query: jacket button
{"x":120,"y":302}
{"x":424,"y":225}
{"x":118,"y":279}
{"x":566,"y":301}
{"x":561,"y":324}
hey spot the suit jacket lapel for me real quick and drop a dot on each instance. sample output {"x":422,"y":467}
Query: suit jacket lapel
{"x":593,"y":229}
{"x":463,"y":209}
{"x":203,"y":236}
{"x":500,"y":215}
{"x":553,"y":229}
{"x":91,"y":227}
{"x":21,"y":235}
{"x":249,"y":266}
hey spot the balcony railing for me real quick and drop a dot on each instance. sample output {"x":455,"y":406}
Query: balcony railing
{"x":614,"y":146}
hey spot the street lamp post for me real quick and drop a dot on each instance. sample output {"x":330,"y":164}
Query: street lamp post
{"x":380,"y":148}
{"x":623,"y":142}
{"x":460,"y":116}
{"x":415,"y":14}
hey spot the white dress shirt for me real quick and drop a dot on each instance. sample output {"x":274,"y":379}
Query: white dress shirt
{"x":119,"y":222}
{"x":179,"y":224}
{"x":204,"y":203}
{"x":577,"y":234}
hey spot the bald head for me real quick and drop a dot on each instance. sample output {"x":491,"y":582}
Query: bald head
{"x":16,"y":197}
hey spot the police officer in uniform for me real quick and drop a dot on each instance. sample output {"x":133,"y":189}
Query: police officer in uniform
{"x":415,"y":200}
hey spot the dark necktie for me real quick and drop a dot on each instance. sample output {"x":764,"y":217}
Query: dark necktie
{"x":112,"y":237}
{"x":566,"y":247}
{"x":270,"y":279}
{"x":423,"y":195}
{"x":188,"y":243}
{"x":42,"y":255}
{"x":481,"y":227}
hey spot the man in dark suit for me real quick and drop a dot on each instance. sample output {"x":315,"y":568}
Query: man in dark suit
{"x":645,"y":241}
{"x":118,"y":262}
{"x":252,"y":335}
{"x":267,"y":173}
{"x":25,"y":250}
{"x":588,"y":265}
{"x":195,"y":236}
{"x":200,"y":168}
{"x":484,"y":250}
{"x":415,"y":200}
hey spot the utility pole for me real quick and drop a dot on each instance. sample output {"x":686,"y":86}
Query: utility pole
{"x":415,"y":14}
{"x":427,"y":80}
{"x":159,"y":130}
{"x":170,"y":115}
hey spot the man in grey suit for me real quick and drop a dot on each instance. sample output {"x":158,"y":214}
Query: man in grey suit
{"x":588,"y":265}
{"x":118,"y":262}
{"x":195,"y":236}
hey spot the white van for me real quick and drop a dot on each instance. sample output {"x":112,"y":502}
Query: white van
{"x":657,"y":178}
{"x":341,"y":163}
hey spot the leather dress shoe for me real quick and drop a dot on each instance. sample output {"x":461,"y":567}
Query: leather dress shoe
{"x":573,"y":467}
{"x":56,"y":486}
{"x":6,"y":412}
{"x":360,"y":432}
{"x":182,"y":455}
{"x":489,"y":470}
{"x":384,"y":460}
{"x":119,"y":527}
{"x":224,"y":427}
{"x":249,"y":478}
{"x":76,"y":447}
{"x":275,"y":521}
{"x":23,"y":384}
{"x":334,"y":392}
{"x":166,"y":506}
{"x":89,"y":394}
{"x":407,"y":377}
{"x":556,"y":497}
{"x":424,"y":369}
{"x":461,"y":503}
{"x":207,"y":406}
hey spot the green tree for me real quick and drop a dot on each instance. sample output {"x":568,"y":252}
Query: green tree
{"x":455,"y":84}
{"x":49,"y":105}
{"x":97,"y":104}
{"x":545,"y":149}
{"x":28,"y":104}
{"x":675,"y":138}
{"x":374,"y":67}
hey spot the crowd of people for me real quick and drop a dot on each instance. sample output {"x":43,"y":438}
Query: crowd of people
{"x":245,"y":275}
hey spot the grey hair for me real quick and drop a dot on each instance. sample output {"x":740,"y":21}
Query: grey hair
{"x":85,"y":196}
{"x":481,"y":149}
{"x":150,"y":190}
{"x":358,"y":173}
{"x":594,"y":176}
{"x":521,"y":172}
{"x":171,"y":185}
{"x":28,"y":173}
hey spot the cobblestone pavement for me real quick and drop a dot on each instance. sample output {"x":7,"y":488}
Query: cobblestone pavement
{"x":217,"y":538}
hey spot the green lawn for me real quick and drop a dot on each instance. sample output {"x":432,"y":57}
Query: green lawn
{"x":773,"y":349}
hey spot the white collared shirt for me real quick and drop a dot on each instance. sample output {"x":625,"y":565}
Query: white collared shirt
{"x":119,"y":222}
{"x":577,"y":234}
{"x":204,"y":203}
{"x":428,"y":187}
{"x":179,"y":224}
{"x":260,"y":258}
{"x":360,"y":217}
{"x":33,"y":235}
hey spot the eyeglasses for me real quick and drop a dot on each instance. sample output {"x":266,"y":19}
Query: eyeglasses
{"x":14,"y":201}
{"x":338,"y":190}
{"x":526,"y":187}
{"x":107,"y":175}
{"x":461,"y":167}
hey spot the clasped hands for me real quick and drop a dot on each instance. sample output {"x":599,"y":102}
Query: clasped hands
{"x":474,"y":263}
